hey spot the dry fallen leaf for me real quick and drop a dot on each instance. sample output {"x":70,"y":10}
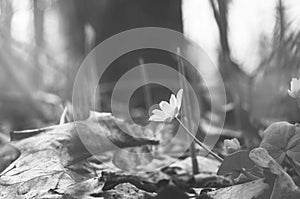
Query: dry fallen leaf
{"x":48,"y":154}
{"x":132,"y":158}
{"x":8,"y":154}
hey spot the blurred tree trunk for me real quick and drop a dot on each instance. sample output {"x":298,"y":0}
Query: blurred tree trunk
{"x":6,"y":10}
{"x":18,"y":107}
{"x":38,"y":13}
{"x":119,"y":16}
{"x":237,"y":82}
{"x":72,"y":23}
{"x":5,"y":20}
{"x":107,"y":19}
{"x":73,"y":32}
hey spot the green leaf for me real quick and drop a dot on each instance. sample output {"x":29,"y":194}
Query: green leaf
{"x":281,"y":139}
{"x":236,"y":162}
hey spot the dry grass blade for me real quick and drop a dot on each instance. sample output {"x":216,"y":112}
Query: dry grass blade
{"x":147,"y":90}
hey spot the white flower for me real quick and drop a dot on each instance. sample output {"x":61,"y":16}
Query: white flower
{"x":168,"y":110}
{"x":295,"y":88}
{"x":232,"y":145}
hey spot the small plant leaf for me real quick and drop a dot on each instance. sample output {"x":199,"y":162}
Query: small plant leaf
{"x":281,"y":139}
{"x":232,"y":145}
{"x":236,"y":162}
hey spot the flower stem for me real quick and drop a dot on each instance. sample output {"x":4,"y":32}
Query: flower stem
{"x":199,"y":142}
{"x":293,"y":164}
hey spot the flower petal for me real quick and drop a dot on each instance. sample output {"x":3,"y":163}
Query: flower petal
{"x":158,"y":113}
{"x":163,"y":105}
{"x":169,"y":119}
{"x":173,"y":101}
{"x":297,"y":85}
{"x":292,"y":94}
{"x":176,"y":112}
{"x":156,"y":118}
{"x":166,"y":108}
{"x":293,"y":84}
{"x":294,"y":88}
{"x":179,"y":98}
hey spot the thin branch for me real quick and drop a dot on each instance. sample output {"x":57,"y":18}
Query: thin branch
{"x":221,"y":20}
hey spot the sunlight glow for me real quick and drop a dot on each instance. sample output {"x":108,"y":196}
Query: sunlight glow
{"x":22,"y":21}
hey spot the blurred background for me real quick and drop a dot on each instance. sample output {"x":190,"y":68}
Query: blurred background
{"x":254,"y":43}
